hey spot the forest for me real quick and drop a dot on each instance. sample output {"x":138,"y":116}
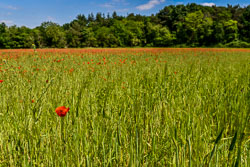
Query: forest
{"x":190,"y":25}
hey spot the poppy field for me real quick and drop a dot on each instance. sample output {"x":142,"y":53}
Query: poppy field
{"x":124,"y":107}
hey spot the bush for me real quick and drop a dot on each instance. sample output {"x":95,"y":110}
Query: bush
{"x":238,"y":44}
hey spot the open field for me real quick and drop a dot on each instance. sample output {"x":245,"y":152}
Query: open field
{"x":128,"y":107}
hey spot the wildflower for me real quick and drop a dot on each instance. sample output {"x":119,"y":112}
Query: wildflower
{"x":1,"y":81}
{"x":33,"y":101}
{"x":61,"y":111}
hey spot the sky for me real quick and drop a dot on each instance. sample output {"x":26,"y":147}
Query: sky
{"x":32,"y":13}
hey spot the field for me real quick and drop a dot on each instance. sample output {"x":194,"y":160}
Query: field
{"x":127,"y":107}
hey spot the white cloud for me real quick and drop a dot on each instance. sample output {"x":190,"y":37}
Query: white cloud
{"x":118,"y":1}
{"x":150,"y":4}
{"x":7,"y":22}
{"x":179,"y":3}
{"x":49,"y":18}
{"x":11,"y":7}
{"x":244,"y":5}
{"x":107,"y":5}
{"x":114,"y":4}
{"x":208,"y":4}
{"x":8,"y":7}
{"x":122,"y":10}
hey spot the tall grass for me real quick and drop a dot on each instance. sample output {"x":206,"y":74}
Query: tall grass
{"x":164,"y":109}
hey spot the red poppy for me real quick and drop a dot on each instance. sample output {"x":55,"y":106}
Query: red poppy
{"x":33,"y":101}
{"x":1,"y":81}
{"x":62,"y":111}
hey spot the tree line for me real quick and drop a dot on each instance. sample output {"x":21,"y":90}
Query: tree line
{"x":188,"y":25}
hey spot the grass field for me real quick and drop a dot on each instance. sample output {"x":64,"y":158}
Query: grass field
{"x":128,"y":107}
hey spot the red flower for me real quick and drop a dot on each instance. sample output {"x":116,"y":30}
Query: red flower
{"x":62,"y":111}
{"x":1,"y":81}
{"x":33,"y":101}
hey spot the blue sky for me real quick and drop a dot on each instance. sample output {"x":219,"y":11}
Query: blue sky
{"x":32,"y":13}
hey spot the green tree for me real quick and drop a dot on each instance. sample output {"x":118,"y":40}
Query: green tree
{"x":121,"y":32}
{"x":89,"y":39}
{"x":205,"y":31}
{"x":18,"y":37}
{"x":53,"y":35}
{"x":158,"y":35}
{"x":231,"y":30}
{"x":3,"y":28}
{"x":105,"y":38}
{"x":163,"y":37}
{"x":245,"y":25}
{"x":190,"y":25}
{"x":74,"y":35}
{"x":218,"y":34}
{"x":193,"y":23}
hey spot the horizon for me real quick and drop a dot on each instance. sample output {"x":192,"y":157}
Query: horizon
{"x":28,"y":14}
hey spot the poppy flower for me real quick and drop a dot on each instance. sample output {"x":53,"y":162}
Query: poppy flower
{"x":1,"y":81}
{"x":62,"y":111}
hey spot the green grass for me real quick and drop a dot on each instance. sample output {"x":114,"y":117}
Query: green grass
{"x":192,"y":110}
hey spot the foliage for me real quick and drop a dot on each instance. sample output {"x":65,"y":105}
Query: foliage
{"x":188,"y":25}
{"x":238,"y":44}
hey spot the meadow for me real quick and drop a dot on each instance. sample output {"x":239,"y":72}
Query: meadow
{"x":127,"y":107}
